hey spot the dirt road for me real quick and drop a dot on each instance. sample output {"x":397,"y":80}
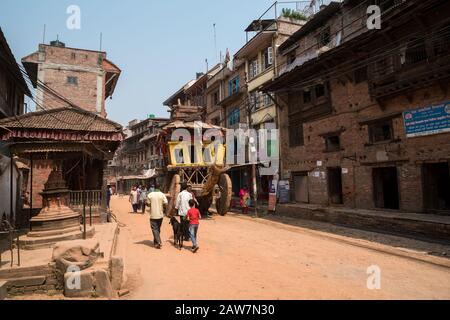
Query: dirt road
{"x":243,"y":259}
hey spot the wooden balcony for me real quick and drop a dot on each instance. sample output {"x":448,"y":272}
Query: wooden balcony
{"x":401,"y":74}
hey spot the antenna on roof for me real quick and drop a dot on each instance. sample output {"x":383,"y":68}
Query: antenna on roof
{"x":101,"y":40}
{"x":215,"y":40}
{"x":207,"y":65}
{"x":43,"y":34}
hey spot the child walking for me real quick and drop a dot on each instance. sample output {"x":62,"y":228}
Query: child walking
{"x":194,"y":217}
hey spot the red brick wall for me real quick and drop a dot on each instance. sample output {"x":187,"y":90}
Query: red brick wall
{"x":352,"y":105}
{"x":41,"y":172}
{"x":83,"y":95}
{"x":63,"y":62}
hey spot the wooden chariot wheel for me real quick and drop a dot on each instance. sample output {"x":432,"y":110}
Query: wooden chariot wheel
{"x":174,"y":190}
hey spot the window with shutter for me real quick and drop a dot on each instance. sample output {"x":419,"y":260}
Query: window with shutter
{"x":296,"y":137}
{"x":234,"y":86}
{"x":268,"y":57}
{"x":253,"y":72}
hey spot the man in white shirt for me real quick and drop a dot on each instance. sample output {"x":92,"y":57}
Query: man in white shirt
{"x":156,"y":201}
{"x":182,"y":205}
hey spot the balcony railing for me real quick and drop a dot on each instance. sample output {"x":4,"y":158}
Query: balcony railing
{"x":93,"y":198}
{"x":420,"y":61}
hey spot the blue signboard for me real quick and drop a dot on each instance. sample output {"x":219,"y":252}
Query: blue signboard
{"x":427,"y":121}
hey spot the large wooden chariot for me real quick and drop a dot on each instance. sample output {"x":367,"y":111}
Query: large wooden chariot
{"x":200,"y":164}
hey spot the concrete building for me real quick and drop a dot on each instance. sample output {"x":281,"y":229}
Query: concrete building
{"x":364,"y":114}
{"x":85,"y":78}
{"x":228,"y":108}
{"x":258,"y":57}
{"x":215,"y":91}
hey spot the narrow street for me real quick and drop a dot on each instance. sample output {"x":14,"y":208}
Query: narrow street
{"x":244,"y":259}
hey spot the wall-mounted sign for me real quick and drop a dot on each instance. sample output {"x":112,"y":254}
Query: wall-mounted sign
{"x":284,"y":191}
{"x":427,"y":121}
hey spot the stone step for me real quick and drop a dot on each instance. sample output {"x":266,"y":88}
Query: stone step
{"x":58,"y":232}
{"x":28,"y":243}
{"x":3,"y":290}
{"x":26,"y":281}
{"x":23,"y":272}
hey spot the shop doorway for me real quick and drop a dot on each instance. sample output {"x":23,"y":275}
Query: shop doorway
{"x":436,"y":186}
{"x":301,"y":187}
{"x":385,"y":188}
{"x":335,"y":186}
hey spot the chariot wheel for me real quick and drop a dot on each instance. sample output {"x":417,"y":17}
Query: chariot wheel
{"x":174,"y":190}
{"x":223,"y":200}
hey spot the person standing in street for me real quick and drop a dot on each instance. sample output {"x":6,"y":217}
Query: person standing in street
{"x":156,"y":201}
{"x":193,"y":217}
{"x":134,"y":199}
{"x":244,"y":196}
{"x":142,"y":199}
{"x":182,"y":205}
{"x":109,"y":193}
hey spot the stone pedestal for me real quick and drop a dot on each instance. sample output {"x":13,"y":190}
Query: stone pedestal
{"x":56,"y":222}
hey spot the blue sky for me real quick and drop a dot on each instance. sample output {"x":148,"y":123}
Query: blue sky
{"x":159,"y":45}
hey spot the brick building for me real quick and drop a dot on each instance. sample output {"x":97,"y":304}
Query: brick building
{"x":74,"y":83}
{"x":13,"y":90}
{"x":182,"y":103}
{"x":364,"y":114}
{"x":75,"y":141}
{"x":139,"y":161}
{"x":13,"y":87}
{"x":84,"y":78}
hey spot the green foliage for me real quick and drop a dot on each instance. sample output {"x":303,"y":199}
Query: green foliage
{"x":293,"y":14}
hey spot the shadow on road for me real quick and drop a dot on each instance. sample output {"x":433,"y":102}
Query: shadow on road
{"x":147,"y":243}
{"x":432,"y":247}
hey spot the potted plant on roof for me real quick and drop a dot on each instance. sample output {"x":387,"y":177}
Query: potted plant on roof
{"x":293,"y":15}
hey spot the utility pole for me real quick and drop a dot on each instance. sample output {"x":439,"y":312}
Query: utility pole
{"x":255,"y":188}
{"x":253,"y":164}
